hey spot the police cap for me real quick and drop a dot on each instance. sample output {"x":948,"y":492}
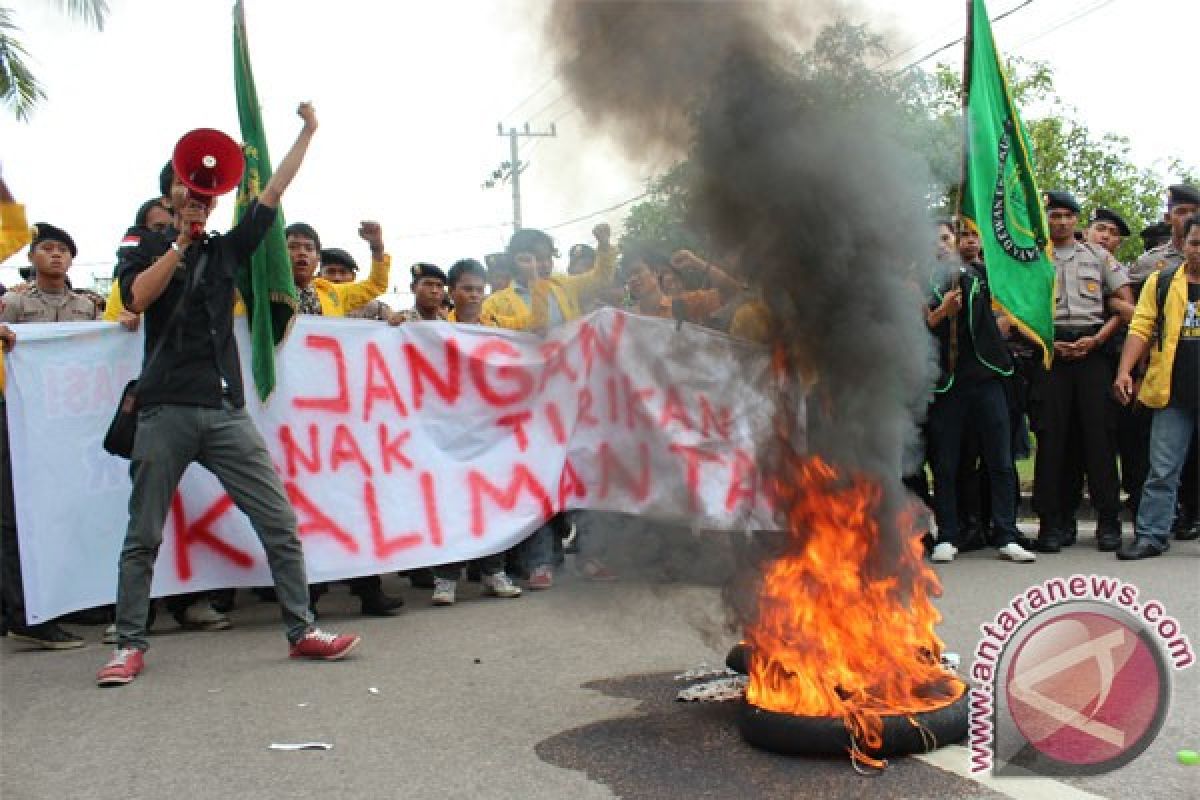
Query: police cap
{"x":1156,"y":234}
{"x":423,"y":270}
{"x":1108,"y":215}
{"x":45,"y":232}
{"x":582,"y":252}
{"x":338,"y":256}
{"x":1182,"y":194}
{"x":1061,"y":199}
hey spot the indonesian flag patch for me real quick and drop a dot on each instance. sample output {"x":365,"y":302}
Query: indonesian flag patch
{"x":130,"y":240}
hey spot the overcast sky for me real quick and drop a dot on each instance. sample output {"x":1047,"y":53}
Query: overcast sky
{"x":409,"y":94}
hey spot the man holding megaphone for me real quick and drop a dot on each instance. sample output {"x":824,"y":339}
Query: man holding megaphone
{"x":190,"y":396}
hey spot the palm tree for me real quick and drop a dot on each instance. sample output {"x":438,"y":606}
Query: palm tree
{"x":19,"y":87}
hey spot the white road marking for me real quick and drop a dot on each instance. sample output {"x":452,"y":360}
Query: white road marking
{"x":956,"y":759}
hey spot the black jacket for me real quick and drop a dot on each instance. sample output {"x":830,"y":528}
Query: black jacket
{"x":202,"y":351}
{"x":986,"y":340}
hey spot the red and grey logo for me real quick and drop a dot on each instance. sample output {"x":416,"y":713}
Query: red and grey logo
{"x":1083,"y":689}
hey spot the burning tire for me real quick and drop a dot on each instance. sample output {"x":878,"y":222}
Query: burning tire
{"x":738,"y":658}
{"x":791,"y":734}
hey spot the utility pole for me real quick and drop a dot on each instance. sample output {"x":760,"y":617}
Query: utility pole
{"x":511,"y":170}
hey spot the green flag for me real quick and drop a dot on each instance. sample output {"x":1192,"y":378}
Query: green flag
{"x":267,"y":288}
{"x":1000,"y":197}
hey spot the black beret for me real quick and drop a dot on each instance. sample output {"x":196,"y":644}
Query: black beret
{"x":1108,"y":215}
{"x":45,"y":232}
{"x":1182,"y":195}
{"x":1156,"y":234}
{"x":579,"y":252}
{"x":423,"y":270}
{"x":305,"y":230}
{"x":336,"y":255}
{"x":1060,"y":199}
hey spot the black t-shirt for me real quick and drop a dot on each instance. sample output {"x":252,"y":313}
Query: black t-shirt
{"x":201,"y":359}
{"x":1185,"y":373}
{"x":968,"y":368}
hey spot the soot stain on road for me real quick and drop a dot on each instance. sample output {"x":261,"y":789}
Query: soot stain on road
{"x":666,"y":749}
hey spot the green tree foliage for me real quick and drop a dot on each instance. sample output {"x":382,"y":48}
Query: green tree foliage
{"x":1098,"y":168}
{"x":20,"y":89}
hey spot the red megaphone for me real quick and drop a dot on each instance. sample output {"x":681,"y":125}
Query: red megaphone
{"x":208,"y":163}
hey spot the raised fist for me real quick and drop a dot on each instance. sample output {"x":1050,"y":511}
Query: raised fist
{"x":309,"y":115}
{"x":372,"y":233}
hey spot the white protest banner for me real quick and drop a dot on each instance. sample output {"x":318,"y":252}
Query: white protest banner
{"x":399,"y":447}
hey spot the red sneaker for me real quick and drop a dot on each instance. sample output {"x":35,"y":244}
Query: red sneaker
{"x":122,"y":668}
{"x":318,"y":644}
{"x":541,"y":578}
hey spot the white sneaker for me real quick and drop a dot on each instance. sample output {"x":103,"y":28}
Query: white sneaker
{"x":500,"y":585}
{"x":1014,"y":552}
{"x":203,"y":617}
{"x":943,"y":553}
{"x":110,"y":634}
{"x":443,"y":592}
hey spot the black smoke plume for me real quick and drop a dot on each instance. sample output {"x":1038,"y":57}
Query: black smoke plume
{"x":799,"y":170}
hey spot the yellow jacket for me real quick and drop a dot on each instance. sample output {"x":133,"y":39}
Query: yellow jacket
{"x":14,"y":230}
{"x":336,"y":298}
{"x":1156,"y":387}
{"x":14,"y":234}
{"x":510,"y":311}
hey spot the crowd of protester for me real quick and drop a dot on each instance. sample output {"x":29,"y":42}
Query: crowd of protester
{"x":1093,"y":409}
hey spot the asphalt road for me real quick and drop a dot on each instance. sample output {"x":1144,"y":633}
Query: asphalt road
{"x":561,"y":694}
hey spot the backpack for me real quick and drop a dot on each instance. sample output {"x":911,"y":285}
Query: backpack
{"x":1165,"y":277}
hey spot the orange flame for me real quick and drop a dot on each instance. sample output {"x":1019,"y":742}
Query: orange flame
{"x":841,"y":630}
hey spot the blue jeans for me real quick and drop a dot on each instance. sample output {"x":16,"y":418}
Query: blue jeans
{"x":982,"y":407}
{"x":1170,"y":431}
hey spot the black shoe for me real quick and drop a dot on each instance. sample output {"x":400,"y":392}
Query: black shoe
{"x":1068,"y":533}
{"x":421,"y":578}
{"x":1108,"y":535}
{"x":47,"y":635}
{"x":1186,"y":529}
{"x":378,"y":604}
{"x":1137,"y":550}
{"x":1048,"y":542}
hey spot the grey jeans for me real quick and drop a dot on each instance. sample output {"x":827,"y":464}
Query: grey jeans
{"x":225,"y":442}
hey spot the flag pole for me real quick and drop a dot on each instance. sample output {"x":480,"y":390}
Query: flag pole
{"x":965,"y":97}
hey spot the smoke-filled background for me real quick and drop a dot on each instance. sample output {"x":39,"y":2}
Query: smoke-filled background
{"x":799,"y":178}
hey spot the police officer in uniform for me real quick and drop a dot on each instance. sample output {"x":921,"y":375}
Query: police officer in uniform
{"x":1182,"y":202}
{"x":49,"y":299}
{"x":429,"y":291}
{"x":1076,"y":386}
{"x":1106,"y":229}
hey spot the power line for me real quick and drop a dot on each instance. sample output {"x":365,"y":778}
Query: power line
{"x":960,"y":39}
{"x":445,"y":231}
{"x":1065,"y":22}
{"x":596,"y":213}
{"x":529,"y":96}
